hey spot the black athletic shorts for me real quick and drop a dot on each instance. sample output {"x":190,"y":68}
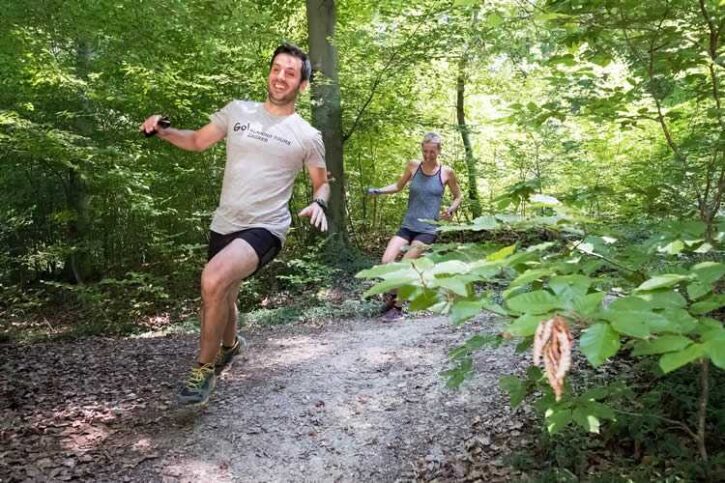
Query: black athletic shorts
{"x":266,"y":245}
{"x":411,"y":236}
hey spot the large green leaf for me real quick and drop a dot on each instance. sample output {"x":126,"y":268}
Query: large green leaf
{"x":502,"y":253}
{"x":674,"y":360}
{"x":589,"y":304}
{"x":709,"y":304}
{"x":570,"y":287}
{"x":526,"y":325}
{"x":462,"y":310}
{"x":587,"y":421}
{"x":450,"y":266}
{"x":530,"y":276}
{"x":556,"y":420}
{"x":663,"y":299}
{"x":697,"y":289}
{"x":631,"y":323}
{"x":454,"y":284}
{"x":381,"y":270}
{"x":709,"y":272}
{"x":390,"y":284}
{"x":599,"y":342}
{"x":662,"y":281}
{"x":661,"y":345}
{"x":537,"y":302}
{"x":423,"y":300}
{"x":715,"y":348}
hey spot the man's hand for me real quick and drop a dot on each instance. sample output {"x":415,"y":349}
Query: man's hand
{"x":316,"y":215}
{"x":153,"y":125}
{"x":374,"y":191}
{"x":447,"y":214}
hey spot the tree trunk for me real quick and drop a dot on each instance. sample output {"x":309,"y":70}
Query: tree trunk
{"x":327,"y":114}
{"x":474,"y":201}
{"x":78,"y":266}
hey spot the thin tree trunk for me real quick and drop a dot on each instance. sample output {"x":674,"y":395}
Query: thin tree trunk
{"x":326,"y":112}
{"x":474,"y":201}
{"x":78,"y":264}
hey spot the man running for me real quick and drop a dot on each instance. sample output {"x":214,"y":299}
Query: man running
{"x":267,"y":145}
{"x":428,"y":180}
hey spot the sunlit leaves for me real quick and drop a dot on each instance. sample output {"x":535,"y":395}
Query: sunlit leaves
{"x":599,"y":342}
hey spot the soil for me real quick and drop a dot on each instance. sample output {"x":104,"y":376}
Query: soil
{"x":355,"y":400}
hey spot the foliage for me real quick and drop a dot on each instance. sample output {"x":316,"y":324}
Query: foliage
{"x":661,"y":298}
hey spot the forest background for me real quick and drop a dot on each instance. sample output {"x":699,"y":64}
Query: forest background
{"x":588,"y":133}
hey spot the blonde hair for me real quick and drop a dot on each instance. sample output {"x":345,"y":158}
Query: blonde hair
{"x":433,"y":138}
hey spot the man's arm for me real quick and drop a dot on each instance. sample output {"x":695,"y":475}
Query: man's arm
{"x":186,"y":139}
{"x":321,"y":194}
{"x":398,"y":185}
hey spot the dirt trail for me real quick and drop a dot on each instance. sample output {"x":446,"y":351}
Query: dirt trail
{"x":349,"y":401}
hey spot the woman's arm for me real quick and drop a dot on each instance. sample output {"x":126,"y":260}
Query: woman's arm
{"x":398,"y":185}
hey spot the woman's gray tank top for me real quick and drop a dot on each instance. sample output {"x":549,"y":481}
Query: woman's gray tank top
{"x":424,"y":201}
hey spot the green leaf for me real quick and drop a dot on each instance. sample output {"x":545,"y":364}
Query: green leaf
{"x":594,"y":394}
{"x":697,"y":289}
{"x":601,"y":411}
{"x":424,"y":300}
{"x":422,"y":264}
{"x":502,"y":253}
{"x":514,"y":387}
{"x":530,"y":276}
{"x":672,"y":248}
{"x":587,"y":421}
{"x":463,"y":309}
{"x":709,"y":272}
{"x":526,"y":325}
{"x":674,"y":360}
{"x":661,"y":281}
{"x":709,"y":304}
{"x":570,"y":287}
{"x":556,"y":421}
{"x":589,"y":304}
{"x":663,"y":299}
{"x":661,"y":345}
{"x":679,"y":321}
{"x":537,"y":302}
{"x":716,"y":350}
{"x":599,"y":342}
{"x":380,"y":270}
{"x":451,"y":266}
{"x":631,"y":323}
{"x":630,"y":303}
{"x":387,"y":286}
{"x":454,"y":284}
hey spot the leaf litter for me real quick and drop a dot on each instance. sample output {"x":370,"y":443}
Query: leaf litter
{"x":341,"y":401}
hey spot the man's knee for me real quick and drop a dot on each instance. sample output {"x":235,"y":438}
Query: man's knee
{"x":214,"y":286}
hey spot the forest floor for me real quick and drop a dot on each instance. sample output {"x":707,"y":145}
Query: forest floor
{"x":347,"y":400}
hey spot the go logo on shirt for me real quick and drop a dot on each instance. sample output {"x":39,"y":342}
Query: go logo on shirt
{"x":240,"y":127}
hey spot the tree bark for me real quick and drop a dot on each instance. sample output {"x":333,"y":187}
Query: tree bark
{"x":474,"y":201}
{"x":327,"y":113}
{"x":78,"y":265}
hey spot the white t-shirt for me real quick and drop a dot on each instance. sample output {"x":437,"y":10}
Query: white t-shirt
{"x":264,"y":155}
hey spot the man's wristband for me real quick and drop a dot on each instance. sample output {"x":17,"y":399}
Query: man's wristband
{"x":321,"y":203}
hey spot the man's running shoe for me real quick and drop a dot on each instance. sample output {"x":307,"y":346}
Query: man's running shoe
{"x":198,"y":386}
{"x":225,"y":355}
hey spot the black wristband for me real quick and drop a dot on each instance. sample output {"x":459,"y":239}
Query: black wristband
{"x":321,"y":203}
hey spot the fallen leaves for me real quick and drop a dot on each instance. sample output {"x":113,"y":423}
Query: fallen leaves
{"x":85,"y":409}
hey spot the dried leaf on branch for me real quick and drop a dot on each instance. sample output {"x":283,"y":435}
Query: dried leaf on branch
{"x":552,"y":343}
